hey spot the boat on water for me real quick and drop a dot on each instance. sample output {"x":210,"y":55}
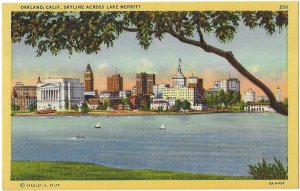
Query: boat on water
{"x":98,"y":125}
{"x":80,"y":137}
{"x":162,"y":127}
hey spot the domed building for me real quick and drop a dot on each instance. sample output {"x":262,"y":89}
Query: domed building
{"x":179,"y":81}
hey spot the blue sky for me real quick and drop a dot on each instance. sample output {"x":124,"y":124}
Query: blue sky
{"x":263,"y":55}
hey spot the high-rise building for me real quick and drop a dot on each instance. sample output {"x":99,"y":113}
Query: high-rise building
{"x":88,"y":79}
{"x":278,"y":98}
{"x":194,"y":82}
{"x":144,"y":83}
{"x":179,"y":80}
{"x":115,"y":83}
{"x":249,"y":96}
{"x":231,"y":84}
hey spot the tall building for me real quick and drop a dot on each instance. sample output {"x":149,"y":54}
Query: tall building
{"x":194,"y":82}
{"x":144,"y":83}
{"x":88,"y":79}
{"x":231,"y":84}
{"x":115,"y":83}
{"x":23,"y":96}
{"x":278,"y":97}
{"x":179,"y":80}
{"x":249,"y":96}
{"x":185,"y":93}
{"x":53,"y":93}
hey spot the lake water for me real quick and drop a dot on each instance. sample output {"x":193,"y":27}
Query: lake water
{"x":219,"y":143}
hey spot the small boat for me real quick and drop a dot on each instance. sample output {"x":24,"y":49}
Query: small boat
{"x":162,"y":127}
{"x":98,"y":125}
{"x":80,"y":137}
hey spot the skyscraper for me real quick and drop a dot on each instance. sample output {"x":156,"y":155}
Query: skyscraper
{"x":88,"y":79}
{"x":144,"y":83}
{"x":115,"y":83}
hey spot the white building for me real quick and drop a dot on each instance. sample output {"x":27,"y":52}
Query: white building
{"x":179,"y":80}
{"x":249,"y":96}
{"x":258,"y":107}
{"x":158,"y":90}
{"x":231,"y":84}
{"x":234,"y":84}
{"x":199,"y":106}
{"x":107,"y":94}
{"x":278,"y":97}
{"x":158,"y":104}
{"x":184,"y":93}
{"x":52,"y":93}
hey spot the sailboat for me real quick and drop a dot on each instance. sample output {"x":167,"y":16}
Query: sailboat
{"x":162,"y":127}
{"x":98,"y":125}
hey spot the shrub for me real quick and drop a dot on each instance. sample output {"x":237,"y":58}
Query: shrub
{"x":268,"y":171}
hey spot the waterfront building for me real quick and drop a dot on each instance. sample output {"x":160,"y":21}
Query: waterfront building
{"x":179,"y":80}
{"x":278,"y":97}
{"x":88,"y":79}
{"x":249,"y":96}
{"x":115,"y":83}
{"x":144,"y":83}
{"x":199,"y":106}
{"x":184,"y":93}
{"x":23,"y":96}
{"x":258,"y":107}
{"x":53,"y":93}
{"x":158,"y":90}
{"x":160,"y":104}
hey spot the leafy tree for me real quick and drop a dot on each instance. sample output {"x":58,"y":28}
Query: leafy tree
{"x":84,"y":108}
{"x":15,"y":108}
{"x":186,"y":105}
{"x":87,"y":31}
{"x":268,"y":171}
{"x":236,"y":97}
{"x":126,"y":101}
{"x":222,"y":97}
{"x":67,"y":104}
{"x":32,"y":107}
{"x":177,"y":104}
{"x":286,"y":102}
{"x":75,"y":107}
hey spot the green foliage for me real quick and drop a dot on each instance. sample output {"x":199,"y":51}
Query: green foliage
{"x":87,"y":31}
{"x":268,"y":171}
{"x":14,"y":108}
{"x":229,"y":98}
{"x":286,"y":102}
{"x":32,"y":107}
{"x":67,"y":104}
{"x":33,"y":170}
{"x":75,"y":107}
{"x":126,"y":101}
{"x":186,"y":105}
{"x":84,"y":107}
{"x":105,"y":105}
{"x":177,"y":104}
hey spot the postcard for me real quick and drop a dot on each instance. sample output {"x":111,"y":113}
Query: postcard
{"x":152,"y":95}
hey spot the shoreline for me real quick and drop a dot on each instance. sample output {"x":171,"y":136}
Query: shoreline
{"x":119,"y":113}
{"x":59,"y":170}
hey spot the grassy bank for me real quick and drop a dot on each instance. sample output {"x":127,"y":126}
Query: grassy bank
{"x":34,"y":170}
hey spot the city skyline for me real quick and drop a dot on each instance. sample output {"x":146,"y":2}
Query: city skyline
{"x":160,"y":60}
